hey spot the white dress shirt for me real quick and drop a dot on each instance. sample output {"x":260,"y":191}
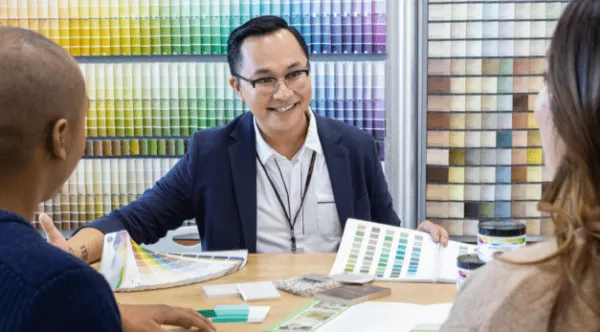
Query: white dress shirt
{"x":317,"y":228}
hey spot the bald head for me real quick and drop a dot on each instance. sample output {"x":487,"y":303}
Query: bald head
{"x":40,"y":83}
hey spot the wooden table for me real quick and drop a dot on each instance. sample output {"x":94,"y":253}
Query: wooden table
{"x":270,"y":267}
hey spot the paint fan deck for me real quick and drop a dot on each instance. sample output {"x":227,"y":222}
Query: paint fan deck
{"x":129,"y":267}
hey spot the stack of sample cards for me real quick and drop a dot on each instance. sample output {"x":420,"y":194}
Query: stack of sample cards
{"x":238,"y":313}
{"x":129,"y":267}
{"x":249,"y":291}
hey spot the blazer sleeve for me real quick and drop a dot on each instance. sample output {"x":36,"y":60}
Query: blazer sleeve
{"x":382,"y":209}
{"x":161,"y":208}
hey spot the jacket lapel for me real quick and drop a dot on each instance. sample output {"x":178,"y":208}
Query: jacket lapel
{"x":338,"y":165}
{"x":243,"y":167}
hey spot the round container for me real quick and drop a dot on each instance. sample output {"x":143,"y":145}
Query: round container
{"x":467,"y":264}
{"x":499,"y":236}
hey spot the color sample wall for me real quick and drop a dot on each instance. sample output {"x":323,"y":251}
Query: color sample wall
{"x":152,"y":27}
{"x":484,"y":69}
{"x":138,"y":101}
{"x":156,"y":72}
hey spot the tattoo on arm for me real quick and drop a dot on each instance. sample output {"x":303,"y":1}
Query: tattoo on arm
{"x":71,"y":251}
{"x":84,"y":252}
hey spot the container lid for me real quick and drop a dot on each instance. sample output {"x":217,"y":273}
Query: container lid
{"x":502,"y":228}
{"x":469,"y":262}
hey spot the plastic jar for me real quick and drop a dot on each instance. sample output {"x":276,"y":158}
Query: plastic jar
{"x":466,"y":265}
{"x":499,"y":236}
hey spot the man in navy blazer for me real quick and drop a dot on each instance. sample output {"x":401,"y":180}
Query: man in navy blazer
{"x":277,"y":179}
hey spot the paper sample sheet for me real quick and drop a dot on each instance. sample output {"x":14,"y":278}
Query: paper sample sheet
{"x":396,"y":254}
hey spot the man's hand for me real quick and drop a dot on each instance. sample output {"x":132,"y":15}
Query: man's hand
{"x":438,"y":233}
{"x":149,"y":318}
{"x":53,"y":235}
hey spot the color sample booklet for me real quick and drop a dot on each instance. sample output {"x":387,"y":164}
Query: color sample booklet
{"x":397,"y":254}
{"x":128,"y":267}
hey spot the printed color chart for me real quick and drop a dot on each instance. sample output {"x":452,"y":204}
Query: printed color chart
{"x":396,"y":254}
{"x":173,"y":27}
{"x":484,"y":153}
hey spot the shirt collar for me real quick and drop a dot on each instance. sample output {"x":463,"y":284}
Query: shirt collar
{"x":312,"y":141}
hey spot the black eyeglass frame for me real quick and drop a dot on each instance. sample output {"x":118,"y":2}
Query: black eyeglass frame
{"x":254,"y":82}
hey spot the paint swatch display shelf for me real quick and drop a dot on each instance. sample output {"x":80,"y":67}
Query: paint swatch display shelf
{"x":143,"y":110}
{"x":485,"y":66}
{"x":178,"y":98}
{"x":99,"y":186}
{"x":176,"y":27}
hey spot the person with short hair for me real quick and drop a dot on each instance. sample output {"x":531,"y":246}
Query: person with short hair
{"x":277,"y":179}
{"x":43,"y":105}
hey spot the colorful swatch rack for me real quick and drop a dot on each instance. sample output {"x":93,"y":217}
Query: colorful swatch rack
{"x":136,"y":147}
{"x":98,"y":186}
{"x":129,"y":267}
{"x":177,"y":99}
{"x":143,"y":112}
{"x":174,"y":27}
{"x":484,"y":154}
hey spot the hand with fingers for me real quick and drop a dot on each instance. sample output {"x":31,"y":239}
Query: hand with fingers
{"x":53,"y":235}
{"x":438,"y":233}
{"x":150,"y":318}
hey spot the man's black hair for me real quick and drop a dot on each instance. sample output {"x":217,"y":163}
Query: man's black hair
{"x":258,"y":26}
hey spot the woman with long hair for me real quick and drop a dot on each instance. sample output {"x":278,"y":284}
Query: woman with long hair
{"x":554,"y":285}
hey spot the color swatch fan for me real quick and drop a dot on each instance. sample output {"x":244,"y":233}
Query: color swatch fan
{"x":129,"y":267}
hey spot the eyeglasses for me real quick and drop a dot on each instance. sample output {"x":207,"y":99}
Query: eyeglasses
{"x":267,"y":86}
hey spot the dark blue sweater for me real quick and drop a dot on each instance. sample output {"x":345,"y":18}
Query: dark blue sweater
{"x":43,"y":288}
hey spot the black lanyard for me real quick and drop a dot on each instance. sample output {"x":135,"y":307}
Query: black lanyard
{"x":287,"y":216}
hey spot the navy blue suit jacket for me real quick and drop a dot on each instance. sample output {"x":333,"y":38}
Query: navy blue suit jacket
{"x":215,"y":183}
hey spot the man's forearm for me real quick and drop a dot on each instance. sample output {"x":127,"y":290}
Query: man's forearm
{"x":87,"y":244}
